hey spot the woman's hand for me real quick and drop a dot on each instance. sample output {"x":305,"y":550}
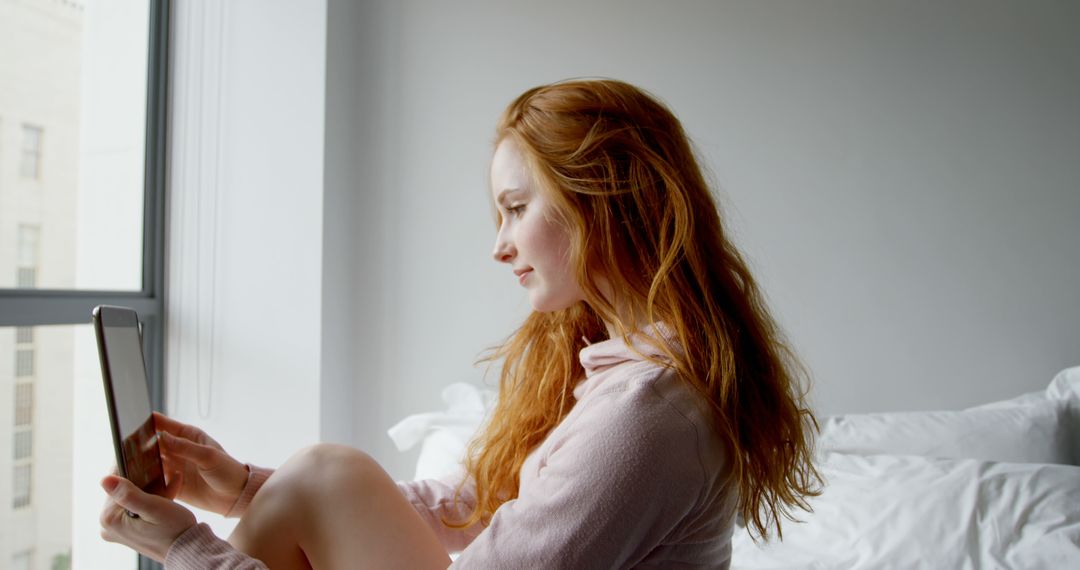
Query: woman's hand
{"x":212,"y":479}
{"x":160,"y":521}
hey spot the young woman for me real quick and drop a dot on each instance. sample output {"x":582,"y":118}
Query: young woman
{"x":647,"y":403}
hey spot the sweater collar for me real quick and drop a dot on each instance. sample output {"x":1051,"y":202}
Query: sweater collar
{"x":603,"y":355}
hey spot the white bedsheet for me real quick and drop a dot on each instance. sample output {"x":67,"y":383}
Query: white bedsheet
{"x":994,"y":486}
{"x":908,"y":511}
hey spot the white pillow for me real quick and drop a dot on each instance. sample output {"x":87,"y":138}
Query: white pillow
{"x":1065,"y":387}
{"x":443,"y":436}
{"x":1032,"y":433}
{"x":907,"y":511}
{"x":1021,"y":400}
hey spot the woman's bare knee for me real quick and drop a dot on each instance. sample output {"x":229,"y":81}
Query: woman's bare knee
{"x":338,"y":508}
{"x":362,"y":517}
{"x":328,"y":473}
{"x":279,"y":525}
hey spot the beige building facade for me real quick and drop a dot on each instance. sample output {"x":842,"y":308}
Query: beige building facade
{"x":40,"y":70}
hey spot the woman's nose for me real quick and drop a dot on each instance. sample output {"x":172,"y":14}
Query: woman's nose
{"x":504,"y":250}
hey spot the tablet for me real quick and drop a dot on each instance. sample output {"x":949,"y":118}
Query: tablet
{"x":127,"y":395}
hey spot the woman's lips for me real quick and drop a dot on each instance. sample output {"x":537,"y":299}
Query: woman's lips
{"x":523,"y":275}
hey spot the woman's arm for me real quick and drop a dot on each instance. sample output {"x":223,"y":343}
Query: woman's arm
{"x":435,"y":501}
{"x":199,"y":472}
{"x":256,"y":477}
{"x":200,"y":549}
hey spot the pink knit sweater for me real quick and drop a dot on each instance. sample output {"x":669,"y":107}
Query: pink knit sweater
{"x":633,"y":477}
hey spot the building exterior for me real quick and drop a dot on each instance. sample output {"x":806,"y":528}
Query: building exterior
{"x":40,"y":70}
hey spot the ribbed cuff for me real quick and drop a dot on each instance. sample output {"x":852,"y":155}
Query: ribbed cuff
{"x":198,"y":548}
{"x":256,"y":477}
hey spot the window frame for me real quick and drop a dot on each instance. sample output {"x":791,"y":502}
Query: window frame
{"x":38,"y":307}
{"x":34,"y":153}
{"x":27,"y":555}
{"x":19,"y":434}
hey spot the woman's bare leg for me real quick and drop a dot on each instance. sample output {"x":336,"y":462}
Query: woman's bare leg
{"x":330,"y":507}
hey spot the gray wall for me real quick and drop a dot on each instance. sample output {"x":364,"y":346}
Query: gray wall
{"x":904,"y":176}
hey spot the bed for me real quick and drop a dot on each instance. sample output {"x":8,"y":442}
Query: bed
{"x":994,"y":486}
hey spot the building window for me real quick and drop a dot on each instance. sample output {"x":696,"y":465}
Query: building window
{"x":27,"y":242}
{"x":30,"y":163}
{"x":23,"y":560}
{"x":121,"y":53}
{"x":24,"y":362}
{"x":20,"y":492}
{"x":26,"y":278}
{"x":24,"y":444}
{"x":27,"y":245}
{"x":24,"y":403}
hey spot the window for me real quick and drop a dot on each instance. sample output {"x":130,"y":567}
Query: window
{"x":27,"y":256}
{"x":30,"y":161}
{"x":102,"y":69}
{"x":26,"y":277}
{"x":27,"y":245}
{"x":23,"y":560}
{"x":24,"y":362}
{"x":24,"y":403}
{"x":20,"y":487}
{"x":24,"y":444}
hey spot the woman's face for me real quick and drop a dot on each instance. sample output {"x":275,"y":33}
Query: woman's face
{"x":530,"y":241}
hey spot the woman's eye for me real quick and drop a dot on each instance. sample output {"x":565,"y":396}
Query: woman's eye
{"x":516,"y":210}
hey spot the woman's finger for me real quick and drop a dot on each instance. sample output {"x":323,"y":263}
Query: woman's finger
{"x":123,"y":493}
{"x":177,"y":428}
{"x":205,"y":456}
{"x":111,"y":514}
{"x":171,"y":464}
{"x":174,"y":482}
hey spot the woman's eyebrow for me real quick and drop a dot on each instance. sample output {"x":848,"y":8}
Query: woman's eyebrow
{"x":501,"y":198}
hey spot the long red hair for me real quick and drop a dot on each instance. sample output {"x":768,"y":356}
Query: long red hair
{"x":624,"y":180}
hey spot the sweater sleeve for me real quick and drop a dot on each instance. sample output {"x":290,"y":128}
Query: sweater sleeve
{"x":615,"y":487}
{"x":435,"y":501}
{"x":256,"y":477}
{"x":198,"y":548}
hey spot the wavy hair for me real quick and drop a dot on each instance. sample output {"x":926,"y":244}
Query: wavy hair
{"x":624,"y":180}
